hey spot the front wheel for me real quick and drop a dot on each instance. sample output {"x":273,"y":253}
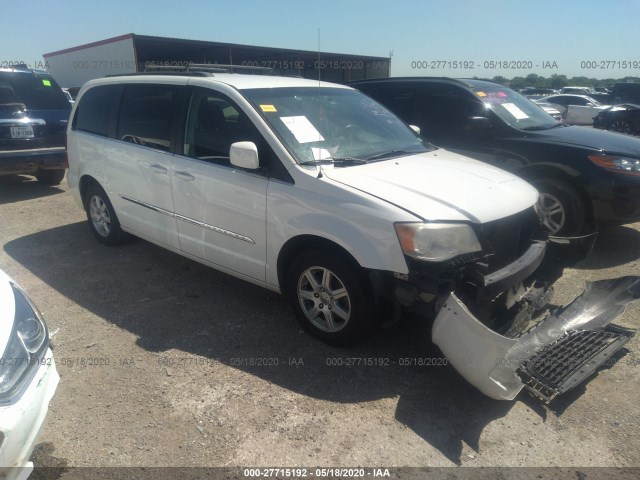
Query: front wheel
{"x":329,"y":297}
{"x":102,"y":218}
{"x":561,"y":207}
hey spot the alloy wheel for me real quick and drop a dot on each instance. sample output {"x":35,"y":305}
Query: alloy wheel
{"x":324,"y":299}
{"x":100,"y":218}
{"x":552,"y":212}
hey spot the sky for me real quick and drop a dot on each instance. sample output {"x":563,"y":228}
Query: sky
{"x":457,"y":38}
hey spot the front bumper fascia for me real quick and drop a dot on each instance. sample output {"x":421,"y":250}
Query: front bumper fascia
{"x":494,"y":364}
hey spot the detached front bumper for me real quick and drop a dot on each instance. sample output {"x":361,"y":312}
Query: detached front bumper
{"x":555,"y":356}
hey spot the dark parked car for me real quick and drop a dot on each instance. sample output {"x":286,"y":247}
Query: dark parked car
{"x":586,"y":177}
{"x":625,"y":93}
{"x":33,"y":119}
{"x":623,"y":118}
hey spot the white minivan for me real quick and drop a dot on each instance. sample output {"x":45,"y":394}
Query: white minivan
{"x":317,"y":191}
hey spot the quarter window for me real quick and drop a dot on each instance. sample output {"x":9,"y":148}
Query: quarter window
{"x":93,"y":113}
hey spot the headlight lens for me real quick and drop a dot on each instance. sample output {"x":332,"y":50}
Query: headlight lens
{"x":27,"y":345}
{"x":629,"y":166}
{"x":436,"y":242}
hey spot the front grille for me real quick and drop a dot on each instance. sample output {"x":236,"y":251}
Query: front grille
{"x":506,"y":239}
{"x":568,"y":361}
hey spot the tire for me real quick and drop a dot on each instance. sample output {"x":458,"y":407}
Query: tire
{"x":621,"y":125}
{"x":329,"y":297}
{"x":561,"y":207}
{"x":50,"y":177}
{"x":102,"y":218}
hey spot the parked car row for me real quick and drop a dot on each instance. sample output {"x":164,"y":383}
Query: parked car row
{"x":614,"y":109}
{"x":575,"y":109}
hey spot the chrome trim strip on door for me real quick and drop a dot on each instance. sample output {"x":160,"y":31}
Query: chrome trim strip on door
{"x":213,"y":228}
{"x":147,"y":205}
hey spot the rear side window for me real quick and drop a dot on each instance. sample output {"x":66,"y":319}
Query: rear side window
{"x":94,"y":111}
{"x":146,"y":115}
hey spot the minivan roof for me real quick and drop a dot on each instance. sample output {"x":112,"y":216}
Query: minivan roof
{"x":236,"y":80}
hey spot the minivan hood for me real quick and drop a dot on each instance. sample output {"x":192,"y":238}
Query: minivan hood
{"x":604,"y":141}
{"x":441,"y":185}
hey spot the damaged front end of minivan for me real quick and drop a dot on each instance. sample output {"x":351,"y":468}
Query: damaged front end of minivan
{"x":554,"y":356}
{"x":487,"y":308}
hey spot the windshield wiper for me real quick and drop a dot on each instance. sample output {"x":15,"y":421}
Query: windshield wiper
{"x":392,"y":153}
{"x":543,"y":127}
{"x":536,"y":127}
{"x":337,"y":161}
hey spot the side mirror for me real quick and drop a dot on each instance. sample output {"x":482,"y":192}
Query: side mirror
{"x":244,"y":155}
{"x":478,"y":123}
{"x":415,"y":128}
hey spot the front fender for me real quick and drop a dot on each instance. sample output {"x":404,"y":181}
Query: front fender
{"x":362,"y":227}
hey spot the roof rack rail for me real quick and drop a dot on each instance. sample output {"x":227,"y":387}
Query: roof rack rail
{"x":207,"y":67}
{"x":174,"y":73}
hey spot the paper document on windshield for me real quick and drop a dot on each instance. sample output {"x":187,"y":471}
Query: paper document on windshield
{"x":514,"y":110}
{"x":302,"y":129}
{"x":322,"y":153}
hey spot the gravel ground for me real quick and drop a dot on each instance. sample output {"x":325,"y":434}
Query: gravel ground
{"x":165,"y":362}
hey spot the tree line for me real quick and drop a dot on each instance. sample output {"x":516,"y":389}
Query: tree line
{"x":559,"y":81}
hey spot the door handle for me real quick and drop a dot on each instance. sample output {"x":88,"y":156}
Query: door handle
{"x":184,"y":175}
{"x":158,"y":168}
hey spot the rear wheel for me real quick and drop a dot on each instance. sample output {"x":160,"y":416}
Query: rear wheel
{"x":329,"y":297}
{"x":50,"y":177}
{"x":561,"y":207}
{"x":102,"y":218}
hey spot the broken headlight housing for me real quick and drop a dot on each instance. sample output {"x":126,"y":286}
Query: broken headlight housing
{"x":25,"y":349}
{"x":436,"y":242}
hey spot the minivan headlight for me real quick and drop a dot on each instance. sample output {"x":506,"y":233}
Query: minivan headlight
{"x":436,"y":241}
{"x":613,"y":163}
{"x":26,"y":347}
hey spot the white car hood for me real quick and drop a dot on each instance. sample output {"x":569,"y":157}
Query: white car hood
{"x":441,"y":185}
{"x":7,"y":311}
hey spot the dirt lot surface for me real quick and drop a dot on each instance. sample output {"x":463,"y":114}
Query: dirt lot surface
{"x":165,"y":362}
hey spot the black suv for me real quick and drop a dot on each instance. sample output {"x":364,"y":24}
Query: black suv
{"x":586,"y":177}
{"x":33,"y":119}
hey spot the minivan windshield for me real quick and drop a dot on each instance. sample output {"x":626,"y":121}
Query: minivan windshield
{"x":337,"y":125}
{"x":514,"y":109}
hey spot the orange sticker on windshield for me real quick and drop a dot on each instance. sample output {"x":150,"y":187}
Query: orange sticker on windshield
{"x":481,"y":94}
{"x":268,"y":108}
